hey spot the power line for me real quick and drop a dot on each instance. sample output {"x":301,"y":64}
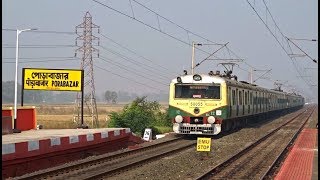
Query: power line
{"x":122,"y":66}
{"x":40,"y":57}
{"x":154,"y":28}
{"x":126,"y":78}
{"x":159,"y":30}
{"x":11,"y":62}
{"x":282,"y":46}
{"x":303,"y":39}
{"x":38,"y":31}
{"x":39,"y":46}
{"x":135,"y":53}
{"x":188,"y":31}
{"x":302,"y":51}
{"x":132,"y":61}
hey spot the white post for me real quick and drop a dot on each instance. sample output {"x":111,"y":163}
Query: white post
{"x":192,"y":59}
{"x":16,"y":78}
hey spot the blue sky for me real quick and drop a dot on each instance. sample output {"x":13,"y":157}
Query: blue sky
{"x":160,"y":57}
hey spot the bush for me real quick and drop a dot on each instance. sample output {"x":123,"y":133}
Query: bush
{"x":138,"y":115}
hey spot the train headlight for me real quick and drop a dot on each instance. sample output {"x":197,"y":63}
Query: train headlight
{"x":211,"y":119}
{"x":178,"y":118}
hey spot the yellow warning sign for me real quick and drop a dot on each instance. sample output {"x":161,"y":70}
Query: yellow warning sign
{"x":203,"y":144}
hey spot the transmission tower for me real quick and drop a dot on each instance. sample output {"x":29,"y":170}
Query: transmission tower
{"x":87,"y":50}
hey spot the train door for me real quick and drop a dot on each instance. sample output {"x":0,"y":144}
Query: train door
{"x":247,"y":102}
{"x":256,"y":102}
{"x":264,"y":102}
{"x":259,"y":99}
{"x":240,"y":102}
{"x":250,"y":103}
{"x":237,"y":102}
{"x":234,"y":104}
{"x":229,"y":101}
{"x":244,"y":102}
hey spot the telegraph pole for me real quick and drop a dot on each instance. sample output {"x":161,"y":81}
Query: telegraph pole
{"x":87,"y":50}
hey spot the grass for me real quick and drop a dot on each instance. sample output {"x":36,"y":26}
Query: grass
{"x":60,"y":116}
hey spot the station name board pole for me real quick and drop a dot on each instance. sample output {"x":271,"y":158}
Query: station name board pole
{"x":82,"y":94}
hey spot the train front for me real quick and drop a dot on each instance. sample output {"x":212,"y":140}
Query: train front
{"x":197,"y":104}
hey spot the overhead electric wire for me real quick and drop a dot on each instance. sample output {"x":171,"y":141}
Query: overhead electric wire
{"x":210,"y":55}
{"x":122,"y":66}
{"x":12,"y":62}
{"x":135,"y":53}
{"x":135,"y":19}
{"x":40,"y":31}
{"x":40,"y":46}
{"x":188,"y":31}
{"x":159,"y":30}
{"x":314,"y":60}
{"x":70,"y":57}
{"x":126,"y":78}
{"x":133,"y":61}
{"x":291,"y":58}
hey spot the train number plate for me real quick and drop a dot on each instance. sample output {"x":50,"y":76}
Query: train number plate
{"x":196,"y":104}
{"x":195,"y":132}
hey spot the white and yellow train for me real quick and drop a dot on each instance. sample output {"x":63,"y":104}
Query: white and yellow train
{"x":208,"y":104}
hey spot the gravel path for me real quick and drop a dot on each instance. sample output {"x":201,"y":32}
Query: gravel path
{"x":190,"y":163}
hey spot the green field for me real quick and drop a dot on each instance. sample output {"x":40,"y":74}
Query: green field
{"x":60,"y":116}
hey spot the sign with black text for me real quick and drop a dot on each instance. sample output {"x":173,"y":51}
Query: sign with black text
{"x":147,"y":134}
{"x":52,"y":79}
{"x":203,"y":144}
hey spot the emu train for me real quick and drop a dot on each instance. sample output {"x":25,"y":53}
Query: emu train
{"x":211,"y":103}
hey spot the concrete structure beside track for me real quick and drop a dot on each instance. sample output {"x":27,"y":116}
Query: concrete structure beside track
{"x":302,"y":161}
{"x":34,"y":150}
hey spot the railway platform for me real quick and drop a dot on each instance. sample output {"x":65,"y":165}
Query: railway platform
{"x":34,"y":150}
{"x":302,"y":161}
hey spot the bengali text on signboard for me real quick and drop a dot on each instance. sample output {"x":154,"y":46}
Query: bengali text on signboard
{"x":52,"y":79}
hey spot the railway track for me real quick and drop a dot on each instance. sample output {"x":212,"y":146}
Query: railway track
{"x":107,"y":165}
{"x":257,"y":161}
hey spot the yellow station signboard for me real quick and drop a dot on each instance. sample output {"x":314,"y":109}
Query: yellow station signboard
{"x":203,"y":144}
{"x":52,"y":79}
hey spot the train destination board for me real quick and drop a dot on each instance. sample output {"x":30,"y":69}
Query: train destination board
{"x":52,"y":79}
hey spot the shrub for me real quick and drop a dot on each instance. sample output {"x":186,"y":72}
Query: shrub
{"x":138,"y":115}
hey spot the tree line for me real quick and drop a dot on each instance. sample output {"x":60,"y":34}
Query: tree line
{"x":57,"y":97}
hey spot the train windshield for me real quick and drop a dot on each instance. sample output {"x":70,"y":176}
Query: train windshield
{"x":197,"y":91}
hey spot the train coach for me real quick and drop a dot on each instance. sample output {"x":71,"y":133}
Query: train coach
{"x":211,"y":103}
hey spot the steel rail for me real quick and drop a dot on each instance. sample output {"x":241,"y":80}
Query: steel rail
{"x":103,"y":173}
{"x":220,"y":166}
{"x":58,"y":170}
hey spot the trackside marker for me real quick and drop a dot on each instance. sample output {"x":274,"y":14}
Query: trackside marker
{"x":147,"y":134}
{"x":203,"y":144}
